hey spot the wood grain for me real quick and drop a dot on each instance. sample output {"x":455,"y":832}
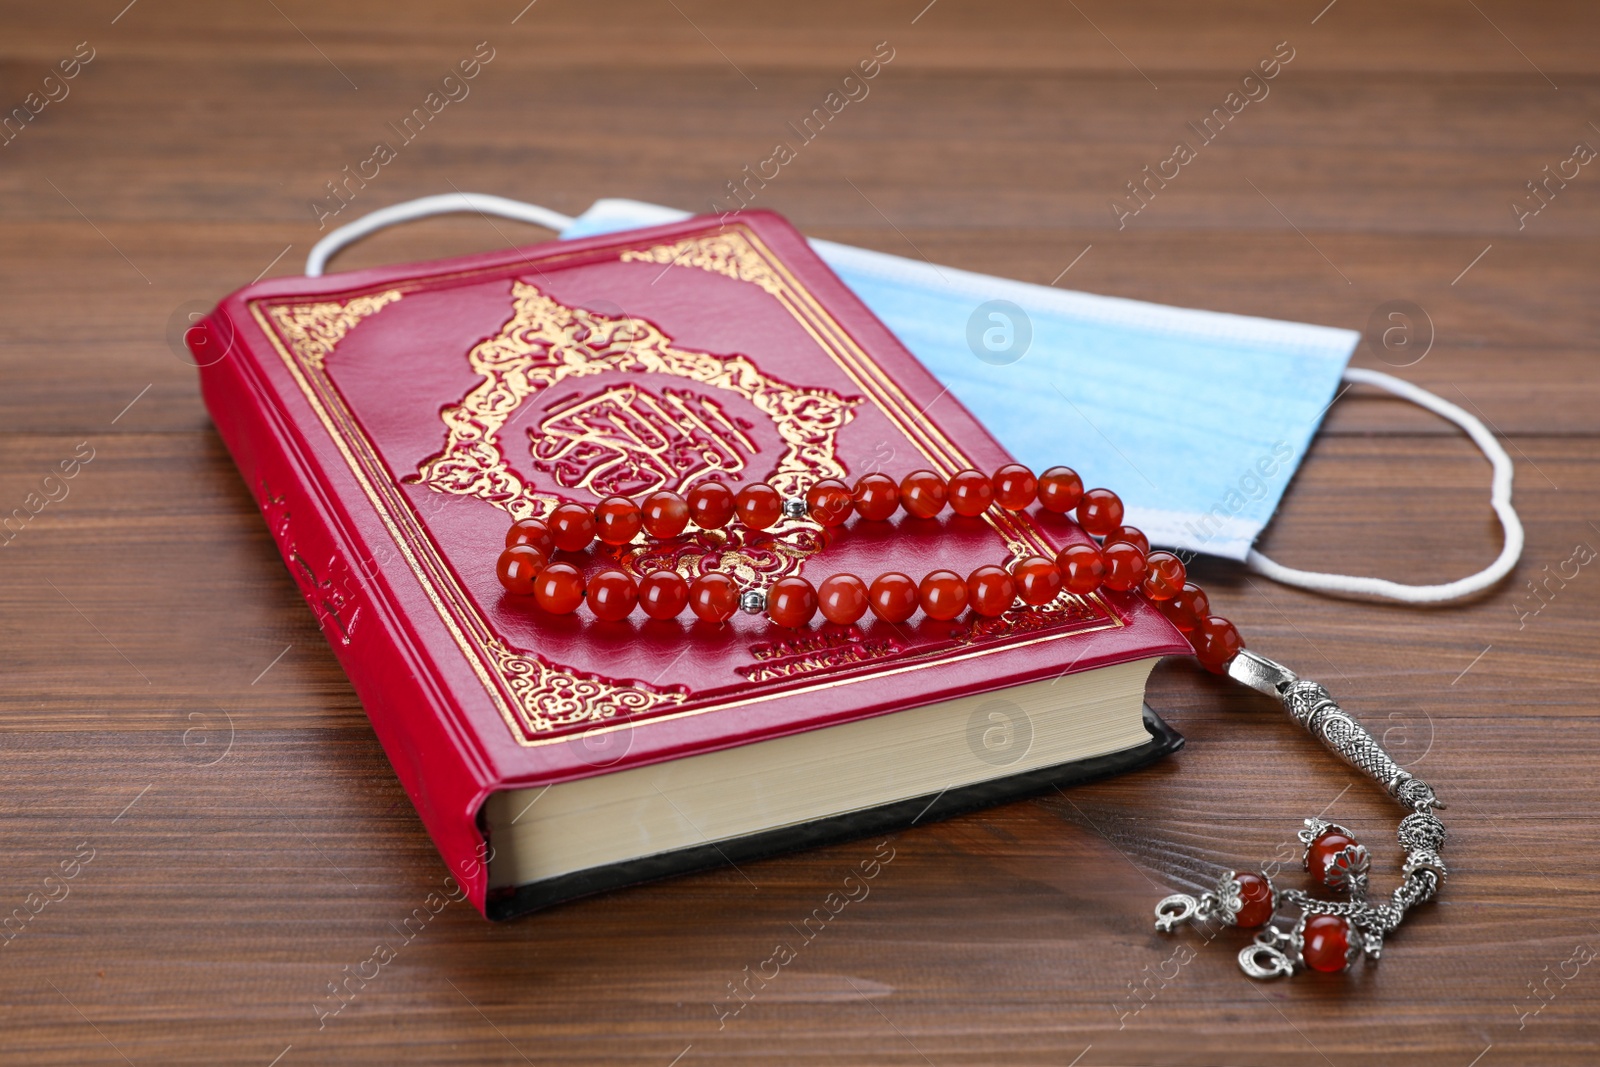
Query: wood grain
{"x":169,"y":703}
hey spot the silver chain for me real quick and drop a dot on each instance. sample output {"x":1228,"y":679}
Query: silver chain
{"x":1279,"y":951}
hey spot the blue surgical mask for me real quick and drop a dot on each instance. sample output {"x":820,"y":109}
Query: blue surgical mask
{"x":1197,"y":418}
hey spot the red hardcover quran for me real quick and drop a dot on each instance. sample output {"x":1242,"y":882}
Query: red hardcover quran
{"x":392,"y":423}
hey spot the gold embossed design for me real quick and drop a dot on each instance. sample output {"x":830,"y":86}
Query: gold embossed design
{"x":810,"y":652}
{"x":624,"y":441}
{"x":728,"y":254}
{"x":828,"y":659}
{"x":537,"y":681}
{"x":313,"y":330}
{"x":1023,"y":619}
{"x":553,"y":698}
{"x":753,"y":558}
{"x":545,"y":342}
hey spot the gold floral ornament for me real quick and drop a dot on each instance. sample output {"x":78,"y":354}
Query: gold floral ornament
{"x":546,"y":342}
{"x":312,"y":330}
{"x":554,"y":698}
{"x":625,"y":439}
{"x":728,"y":254}
{"x":753,"y":558}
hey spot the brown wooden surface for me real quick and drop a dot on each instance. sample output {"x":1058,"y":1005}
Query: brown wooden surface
{"x":239,"y":868}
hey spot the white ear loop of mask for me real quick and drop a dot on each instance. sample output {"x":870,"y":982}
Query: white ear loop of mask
{"x":443,"y":204}
{"x":1334,"y":584}
{"x":1499,"y":499}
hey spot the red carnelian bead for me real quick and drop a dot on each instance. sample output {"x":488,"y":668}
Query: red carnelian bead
{"x":1131,"y":534}
{"x":923,"y":493}
{"x":991,"y":590}
{"x":559,"y":588}
{"x":1100,"y":511}
{"x":612,"y":594}
{"x":1188,"y":607}
{"x":665,"y":514}
{"x":1325,"y":943}
{"x":710,"y":505}
{"x":791,"y":602}
{"x":1255,"y":901}
{"x":971,"y":493}
{"x":714,"y":597}
{"x":518,"y":566}
{"x":876,"y":496}
{"x":1328,"y":844}
{"x":1015,"y":487}
{"x":1216,"y":642}
{"x":617,"y":520}
{"x":759,"y":505}
{"x":842,"y":598}
{"x":830,"y":502}
{"x":1125,"y":566}
{"x":892,"y":596}
{"x":1060,"y":489}
{"x":572,"y":526}
{"x":663,"y":594}
{"x":1164,"y":577}
{"x":533,"y":532}
{"x":1038,"y":580}
{"x":1082,"y":568}
{"x":943,"y":595}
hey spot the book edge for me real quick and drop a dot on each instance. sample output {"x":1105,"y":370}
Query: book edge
{"x":850,"y":826}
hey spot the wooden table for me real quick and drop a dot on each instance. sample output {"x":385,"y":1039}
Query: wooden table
{"x":171,"y":710}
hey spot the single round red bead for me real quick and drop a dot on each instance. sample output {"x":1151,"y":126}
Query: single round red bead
{"x":1328,"y":844}
{"x":943,"y":595}
{"x":572,"y":526}
{"x":1216,"y":642}
{"x":710,"y":505}
{"x":923,"y":494}
{"x":714,"y":597}
{"x":1100,"y":511}
{"x":663,"y":594}
{"x":1082,"y":567}
{"x":1131,"y":534}
{"x":1060,"y":489}
{"x":1038,"y":580}
{"x":991,"y":590}
{"x":533,"y":532}
{"x":1188,"y":608}
{"x":1015,"y":487}
{"x":664,"y":514}
{"x":971,"y":493}
{"x":1325,"y":943}
{"x":1125,"y":566}
{"x":517,"y":568}
{"x":617,"y":520}
{"x":791,"y":602}
{"x":1164,"y":576}
{"x":842,"y":598}
{"x":758,"y":505}
{"x":893,"y":596}
{"x":612,"y":594}
{"x":876,"y":496}
{"x":829,"y":502}
{"x":559,"y":588}
{"x":1255,"y":900}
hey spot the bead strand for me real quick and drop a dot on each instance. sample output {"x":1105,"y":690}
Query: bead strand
{"x":1121,"y":561}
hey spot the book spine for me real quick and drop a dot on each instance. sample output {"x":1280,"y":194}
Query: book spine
{"x":344,"y":590}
